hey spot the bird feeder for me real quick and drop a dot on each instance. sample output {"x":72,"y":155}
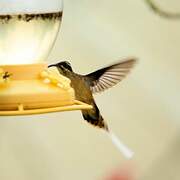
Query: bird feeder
{"x":27,"y":34}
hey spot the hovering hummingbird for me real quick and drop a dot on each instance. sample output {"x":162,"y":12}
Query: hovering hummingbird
{"x":87,"y":85}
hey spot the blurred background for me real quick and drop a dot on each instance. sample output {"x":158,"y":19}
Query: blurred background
{"x":143,"y":110}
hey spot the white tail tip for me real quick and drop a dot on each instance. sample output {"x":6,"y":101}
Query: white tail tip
{"x":121,"y":146}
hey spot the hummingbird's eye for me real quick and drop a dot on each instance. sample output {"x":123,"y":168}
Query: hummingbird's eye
{"x":68,"y":63}
{"x":65,"y":65}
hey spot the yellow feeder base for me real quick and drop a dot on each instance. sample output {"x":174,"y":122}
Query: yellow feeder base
{"x":33,"y":89}
{"x":21,"y":111}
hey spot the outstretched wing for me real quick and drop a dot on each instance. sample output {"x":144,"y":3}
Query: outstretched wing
{"x":107,"y":77}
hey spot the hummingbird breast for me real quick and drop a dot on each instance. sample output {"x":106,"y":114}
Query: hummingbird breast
{"x":81,"y":88}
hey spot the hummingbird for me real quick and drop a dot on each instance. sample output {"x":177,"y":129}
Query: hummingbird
{"x":85,"y":86}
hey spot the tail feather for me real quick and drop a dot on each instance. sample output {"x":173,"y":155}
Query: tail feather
{"x":94,"y":117}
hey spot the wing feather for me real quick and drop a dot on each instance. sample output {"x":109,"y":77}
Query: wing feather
{"x":107,"y":77}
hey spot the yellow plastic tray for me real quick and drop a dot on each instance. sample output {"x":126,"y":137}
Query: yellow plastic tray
{"x":27,"y":93}
{"x":21,"y":111}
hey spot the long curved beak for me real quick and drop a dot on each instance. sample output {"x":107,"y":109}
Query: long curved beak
{"x":52,"y":65}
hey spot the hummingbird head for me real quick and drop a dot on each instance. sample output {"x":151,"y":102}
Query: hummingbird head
{"x":62,"y":66}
